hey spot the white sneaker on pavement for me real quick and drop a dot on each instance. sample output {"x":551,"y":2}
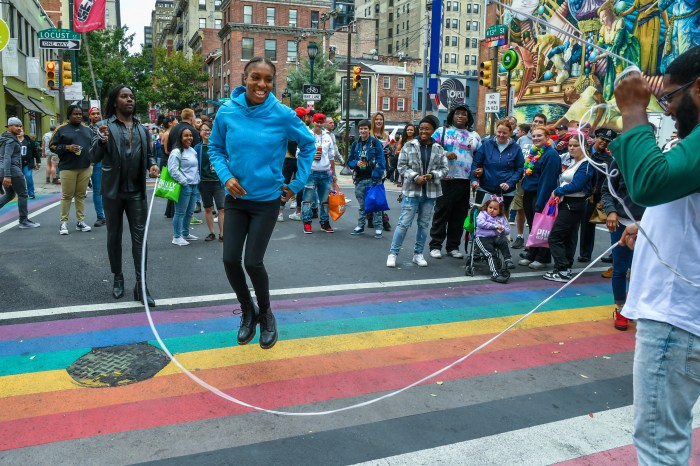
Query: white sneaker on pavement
{"x":391,"y":260}
{"x":454,"y":253}
{"x":180,"y":241}
{"x":280,"y":217}
{"x":295,"y":216}
{"x":535,"y":265}
{"x":191,"y":238}
{"x":419,"y":260}
{"x":82,"y":226}
{"x":63,"y":229}
{"x":435,"y":254}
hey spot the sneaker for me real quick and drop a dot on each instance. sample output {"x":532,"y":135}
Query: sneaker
{"x":293,"y":205}
{"x":358,"y":231}
{"x":499,"y":279}
{"x":557,"y":276}
{"x":536,"y":265}
{"x":210,"y":237}
{"x":391,"y":260}
{"x":82,"y":226}
{"x":621,"y":322}
{"x":607,"y":273}
{"x":419,"y":260}
{"x":100,"y":222}
{"x":583,"y":259}
{"x":378,"y":234}
{"x":524,"y":262}
{"x":191,"y":237}
{"x":32,"y":196}
{"x":198,"y":207}
{"x":607,"y":259}
{"x":216,"y":219}
{"x":326,"y":226}
{"x":509,"y":264}
{"x":280,"y":217}
{"x":180,"y":241}
{"x":195,"y":221}
{"x":518,"y":243}
{"x":435,"y":254}
{"x":295,"y":216}
{"x":307,"y":228}
{"x":454,"y":253}
{"x":26,"y":223}
{"x":63,"y":230}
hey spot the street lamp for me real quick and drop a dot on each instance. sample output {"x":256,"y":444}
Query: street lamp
{"x":312,"y":50}
{"x":226,"y":88}
{"x":98,"y":83}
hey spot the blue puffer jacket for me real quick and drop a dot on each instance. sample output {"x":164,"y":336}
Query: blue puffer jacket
{"x":499,"y":167}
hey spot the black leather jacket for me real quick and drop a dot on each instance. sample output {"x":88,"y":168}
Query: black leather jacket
{"x":109,"y":153}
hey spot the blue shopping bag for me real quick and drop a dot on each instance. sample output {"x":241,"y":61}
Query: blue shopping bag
{"x":375,"y":199}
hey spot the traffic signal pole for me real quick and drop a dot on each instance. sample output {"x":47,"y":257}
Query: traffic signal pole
{"x":347,"y":94}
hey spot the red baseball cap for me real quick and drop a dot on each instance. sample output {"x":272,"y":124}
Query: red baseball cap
{"x":319,"y":118}
{"x":301,"y":112}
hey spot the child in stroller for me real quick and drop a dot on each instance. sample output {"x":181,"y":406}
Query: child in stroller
{"x":491,"y":238}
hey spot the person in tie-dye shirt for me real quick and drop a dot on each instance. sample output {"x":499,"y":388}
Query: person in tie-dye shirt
{"x":460,"y":144}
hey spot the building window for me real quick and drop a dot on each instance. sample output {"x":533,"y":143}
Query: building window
{"x":455,"y":24}
{"x":469,"y":7}
{"x":202,"y":23}
{"x":314,"y":19}
{"x":291,"y":51}
{"x":386,"y":104}
{"x":447,"y":40}
{"x":202,"y":4}
{"x":455,"y":6}
{"x":408,"y":24}
{"x":390,"y":33}
{"x":475,"y":44}
{"x":475,"y":25}
{"x":476,"y":8}
{"x":466,"y":59}
{"x":469,"y":25}
{"x":389,"y":48}
{"x":217,"y":23}
{"x":448,"y":23}
{"x":473,"y":59}
{"x":247,"y":14}
{"x":247,"y":48}
{"x":293,"y":15}
{"x":386,"y":82}
{"x":449,"y":6}
{"x":453,"y":58}
{"x":466,"y":44}
{"x":401,"y":84}
{"x":397,"y":29}
{"x":401,"y":104}
{"x":271,"y":49}
{"x":217,"y":5}
{"x":447,"y":58}
{"x":397,"y":46}
{"x":454,"y":41}
{"x":391,"y":17}
{"x":270,"y":16}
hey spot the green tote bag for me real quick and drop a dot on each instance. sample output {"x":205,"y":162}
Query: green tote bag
{"x":167,"y":187}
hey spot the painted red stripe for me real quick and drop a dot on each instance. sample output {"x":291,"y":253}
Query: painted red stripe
{"x":627,"y":455}
{"x":288,"y":393}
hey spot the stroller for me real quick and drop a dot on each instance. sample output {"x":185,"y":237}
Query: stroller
{"x":473,"y":255}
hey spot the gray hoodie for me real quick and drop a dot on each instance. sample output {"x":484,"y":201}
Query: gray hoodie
{"x":10,"y":156}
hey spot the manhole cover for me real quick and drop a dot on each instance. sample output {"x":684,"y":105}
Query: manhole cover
{"x":113,"y":366}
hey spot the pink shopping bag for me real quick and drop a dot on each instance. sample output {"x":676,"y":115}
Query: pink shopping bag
{"x":542,"y":226}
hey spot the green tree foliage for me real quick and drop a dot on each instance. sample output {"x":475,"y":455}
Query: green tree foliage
{"x":177,"y":82}
{"x":324,"y":76}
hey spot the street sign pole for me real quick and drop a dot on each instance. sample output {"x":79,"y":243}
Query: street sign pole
{"x":73,"y":54}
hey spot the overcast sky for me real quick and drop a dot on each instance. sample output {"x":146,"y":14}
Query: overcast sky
{"x":136,"y":14}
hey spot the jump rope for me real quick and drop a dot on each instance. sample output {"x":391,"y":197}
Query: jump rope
{"x":601,"y":167}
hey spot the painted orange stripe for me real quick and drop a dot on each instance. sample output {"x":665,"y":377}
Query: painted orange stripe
{"x":27,"y":406}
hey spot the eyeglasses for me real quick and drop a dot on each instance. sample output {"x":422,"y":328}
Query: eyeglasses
{"x":665,"y":100}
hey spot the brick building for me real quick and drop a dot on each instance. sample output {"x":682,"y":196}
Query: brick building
{"x":273,"y":29}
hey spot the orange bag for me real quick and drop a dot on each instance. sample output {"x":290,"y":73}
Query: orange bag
{"x":336,"y":202}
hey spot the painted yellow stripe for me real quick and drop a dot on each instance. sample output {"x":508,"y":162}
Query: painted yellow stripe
{"x":48,"y":381}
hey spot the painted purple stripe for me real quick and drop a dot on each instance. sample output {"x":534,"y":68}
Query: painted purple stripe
{"x":34,"y":204}
{"x":89,"y":324}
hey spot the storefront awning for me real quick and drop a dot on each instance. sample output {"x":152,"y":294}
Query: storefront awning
{"x":24,"y":101}
{"x":42,"y":108}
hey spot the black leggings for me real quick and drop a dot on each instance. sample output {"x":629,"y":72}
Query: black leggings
{"x":289,"y":169}
{"x":541,"y":255}
{"x":136,"y":209}
{"x":251,"y":224}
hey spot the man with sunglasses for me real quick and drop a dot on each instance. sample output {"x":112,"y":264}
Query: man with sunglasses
{"x":665,"y":305}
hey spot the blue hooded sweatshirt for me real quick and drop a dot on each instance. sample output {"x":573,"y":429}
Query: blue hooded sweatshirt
{"x":250,"y":143}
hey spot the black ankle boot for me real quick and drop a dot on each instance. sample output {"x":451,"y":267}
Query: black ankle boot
{"x":138,"y":296}
{"x":249,"y":320}
{"x":118,"y":287}
{"x":268,"y":329}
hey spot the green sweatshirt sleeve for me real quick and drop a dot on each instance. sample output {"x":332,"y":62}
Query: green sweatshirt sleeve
{"x":654,"y":177}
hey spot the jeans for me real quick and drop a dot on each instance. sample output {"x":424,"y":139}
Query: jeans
{"x":96,"y":189}
{"x":410,"y":206}
{"x":666,"y":378}
{"x":248,"y":224}
{"x":622,"y":262}
{"x":29,"y":177}
{"x":360,"y":192}
{"x":319,"y":184}
{"x":18,"y":187}
{"x":184,"y":208}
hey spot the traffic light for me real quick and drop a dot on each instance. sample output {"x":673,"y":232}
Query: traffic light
{"x":50,"y":67}
{"x":486,"y":74}
{"x":66,"y":73}
{"x":356,"y":79}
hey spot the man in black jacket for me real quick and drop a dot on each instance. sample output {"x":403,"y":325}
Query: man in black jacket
{"x":31,"y":160}
{"x":124,"y":147}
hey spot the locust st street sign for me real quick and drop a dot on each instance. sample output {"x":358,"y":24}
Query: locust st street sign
{"x":59,"y":44}
{"x":64,"y":39}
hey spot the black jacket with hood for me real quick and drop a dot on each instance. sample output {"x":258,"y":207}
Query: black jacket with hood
{"x":10,"y":156}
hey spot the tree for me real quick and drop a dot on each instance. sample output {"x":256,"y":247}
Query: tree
{"x":324,"y":75}
{"x":177,"y":82}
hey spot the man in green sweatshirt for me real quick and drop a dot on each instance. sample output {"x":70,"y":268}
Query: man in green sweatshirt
{"x":663,"y":299}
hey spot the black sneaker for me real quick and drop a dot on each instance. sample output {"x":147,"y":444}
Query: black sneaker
{"x":26,"y":224}
{"x":198,"y":208}
{"x":100,"y":222}
{"x":509,"y":264}
{"x":82,"y":226}
{"x":499,"y":279}
{"x":518,"y":243}
{"x":562,"y":276}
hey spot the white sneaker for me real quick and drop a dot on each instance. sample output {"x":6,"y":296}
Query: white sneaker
{"x":280,"y":217}
{"x":82,"y":226}
{"x":216,"y":219}
{"x":391,"y":260}
{"x":293,"y":205}
{"x":63,"y":230}
{"x":348,"y":201}
{"x":524,"y":262}
{"x":419,"y":260}
{"x":535,"y":265}
{"x":180,"y":241}
{"x":434,"y":253}
{"x":191,"y":238}
{"x":295,"y":216}
{"x":455,"y":253}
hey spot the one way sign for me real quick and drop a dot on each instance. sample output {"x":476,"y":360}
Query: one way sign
{"x":59,"y":44}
